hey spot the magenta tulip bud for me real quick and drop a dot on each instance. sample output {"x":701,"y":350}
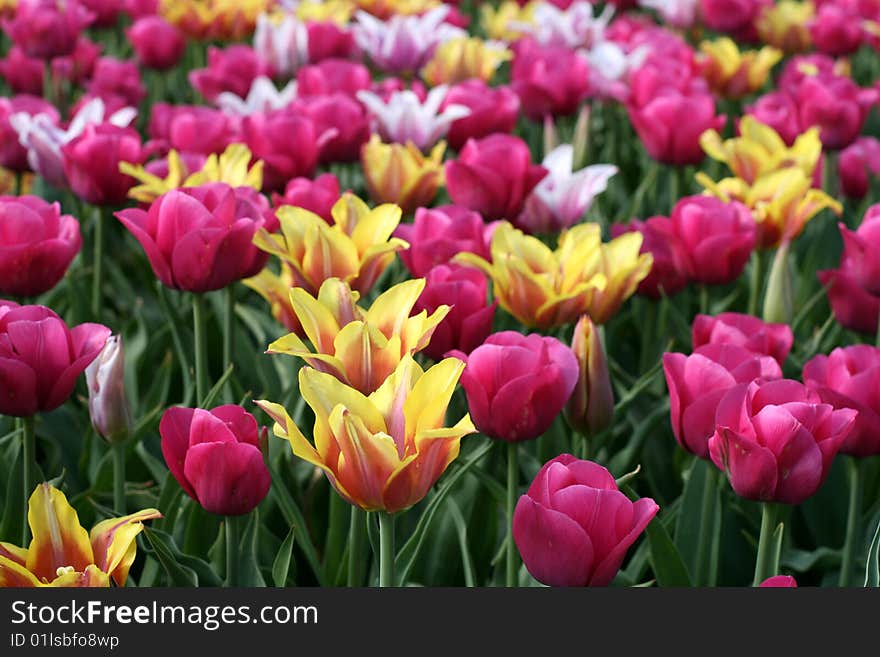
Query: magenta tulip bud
{"x":216,"y":458}
{"x":517,"y":384}
{"x":200,"y":238}
{"x":837,"y":105}
{"x":286,"y":142}
{"x":91,"y":163}
{"x":778,"y":110}
{"x":438,"y":234}
{"x":745,"y":331}
{"x":232,"y":69}
{"x":858,"y":164}
{"x":573,"y":526}
{"x":669,"y":271}
{"x":837,"y":30}
{"x":41,"y":358}
{"x":493,"y":176}
{"x":327,"y":40}
{"x":850,"y":378}
{"x":590,"y":408}
{"x":698,"y":382}
{"x":550,"y":81}
{"x":109,"y":409}
{"x":493,"y":109}
{"x":156,"y":42}
{"x":332,"y":76}
{"x":779,"y":582}
{"x":469,"y":322}
{"x":776,"y":440}
{"x":78,"y":66}
{"x":47,"y":28}
{"x":318,"y":195}
{"x":37,"y":245}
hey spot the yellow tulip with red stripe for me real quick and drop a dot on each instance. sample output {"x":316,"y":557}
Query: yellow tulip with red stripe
{"x":359,"y":347}
{"x":357,"y":248}
{"x":383,"y":451}
{"x":63,"y":554}
{"x":544,"y":288}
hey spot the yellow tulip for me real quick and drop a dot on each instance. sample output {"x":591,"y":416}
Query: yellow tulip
{"x":784,"y":25}
{"x":336,"y":11}
{"x":543,"y":288}
{"x":359,"y":347}
{"x":500,"y":22}
{"x":733,"y":73}
{"x":401,"y":174}
{"x":214,"y":19}
{"x":357,"y":248}
{"x":275,"y":289}
{"x":383,"y":451}
{"x":63,"y":554}
{"x":385,"y":9}
{"x":462,"y":59}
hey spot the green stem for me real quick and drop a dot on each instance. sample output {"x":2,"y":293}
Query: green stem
{"x":200,"y":348}
{"x":29,"y":468}
{"x":19,"y":176}
{"x":335,"y":543}
{"x":232,"y":557}
{"x":512,"y":486}
{"x":755,"y":282}
{"x":704,"y":299}
{"x":98,"y":257}
{"x":228,"y":328}
{"x":119,"y":478}
{"x":386,"y":549}
{"x":769,"y":544}
{"x":356,"y":540}
{"x":707,"y":520}
{"x":674,"y":186}
{"x":856,"y":486}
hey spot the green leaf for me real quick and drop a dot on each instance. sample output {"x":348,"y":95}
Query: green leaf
{"x":461,"y":531}
{"x":281,"y":565}
{"x":872,"y":571}
{"x":12,"y":521}
{"x":249,"y":573}
{"x":692,"y":538}
{"x":801,"y":561}
{"x":182,"y":569}
{"x":214,"y":392}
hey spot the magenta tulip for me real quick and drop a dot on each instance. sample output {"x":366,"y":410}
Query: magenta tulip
{"x":47,"y":28}
{"x":517,"y":384}
{"x":41,"y":358}
{"x":216,"y":457}
{"x":193,"y":129}
{"x":332,"y":76}
{"x":574,"y":526}
{"x":837,"y":29}
{"x":341,"y":122}
{"x":233,"y":69}
{"x":858,"y":165}
{"x":745,"y":331}
{"x":13,"y":155}
{"x":837,"y":105}
{"x":91,"y":163}
{"x":669,"y":271}
{"x":117,"y":78}
{"x":776,"y":440}
{"x":778,"y":110}
{"x":730,"y":15}
{"x":550,"y":81}
{"x":327,"y":40}
{"x":779,"y":582}
{"x":318,"y":195}
{"x":23,"y":74}
{"x":493,"y":109}
{"x":287,"y":143}
{"x":156,"y":42}
{"x":698,"y":382}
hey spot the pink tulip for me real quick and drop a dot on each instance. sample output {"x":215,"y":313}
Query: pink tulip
{"x":698,"y":382}
{"x":318,"y":195}
{"x":216,"y":457}
{"x":91,"y":163}
{"x":23,"y":74}
{"x":41,"y":358}
{"x":287,"y":143}
{"x":802,"y":67}
{"x":730,"y":15}
{"x":836,"y":30}
{"x":493,"y":176}
{"x":669,"y":271}
{"x":493,"y":109}
{"x":745,"y":331}
{"x":37,"y":245}
{"x":778,"y":110}
{"x":857,"y":165}
{"x":106,"y":12}
{"x":156,"y":42}
{"x":140,"y":8}
{"x":573,"y":526}
{"x":13,"y":155}
{"x":550,"y":81}
{"x":776,"y":440}
{"x":78,"y":66}
{"x":837,"y":105}
{"x":779,"y":582}
{"x":327,"y":40}
{"x":516,"y":385}
{"x":200,"y":238}
{"x":47,"y":28}
{"x":850,"y":378}
{"x":331,"y":76}
{"x":341,"y":122}
{"x":469,"y":322}
{"x":233,"y":69}
{"x":192,"y":129}
{"x":117,"y":78}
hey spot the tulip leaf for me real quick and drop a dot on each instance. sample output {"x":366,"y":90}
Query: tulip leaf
{"x":158,"y":470}
{"x":461,"y":531}
{"x":872,"y":571}
{"x":281,"y":565}
{"x":666,"y":561}
{"x":249,"y":566}
{"x":697,"y":533}
{"x":182,"y":569}
{"x":214,"y":392}
{"x":12,"y":521}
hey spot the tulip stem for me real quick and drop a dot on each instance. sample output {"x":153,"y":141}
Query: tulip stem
{"x":512,"y":485}
{"x":98,"y":258}
{"x":856,"y":486}
{"x":228,"y":327}
{"x":29,"y":468}
{"x":707,"y":521}
{"x":232,"y":542}
{"x":119,"y":477}
{"x":200,"y":348}
{"x":704,"y":299}
{"x":386,"y":549}
{"x":356,"y":540}
{"x":755,"y":281}
{"x":769,"y":544}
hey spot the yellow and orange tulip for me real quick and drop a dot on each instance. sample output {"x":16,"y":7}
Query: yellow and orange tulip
{"x":402,"y":174}
{"x":463,"y":59}
{"x":733,"y":73}
{"x":785,"y":25}
{"x":275,"y":289}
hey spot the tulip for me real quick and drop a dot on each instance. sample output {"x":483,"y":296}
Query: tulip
{"x":858,"y":165}
{"x":544,"y":288}
{"x":23,"y":74}
{"x":13,"y":155}
{"x":837,"y":105}
{"x":286,"y":142}
{"x":573,"y":526}
{"x":745,"y":331}
{"x":332,"y":76}
{"x":231,"y":69}
{"x":401,"y":174}
{"x":837,"y":30}
{"x":732,"y":73}
{"x":327,"y":40}
{"x":590,"y":409}
{"x":801,"y":67}
{"x":357,"y":248}
{"x":493,"y":176}
{"x":47,"y":28}
{"x":779,"y":582}
{"x":192,"y":129}
{"x":63,"y":554}
{"x":360,"y":347}
{"x":156,"y":42}
{"x":698,"y":382}
{"x":117,"y":79}
{"x":676,"y":13}
{"x":438,"y":234}
{"x":507,"y":20}
{"x":730,"y":15}
{"x":463,"y":59}
{"x":199,"y":238}
{"x":778,"y":111}
{"x":567,"y":24}
{"x":281,"y":45}
{"x":77,"y":67}
{"x":785,"y":25}
{"x":563,"y":196}
{"x":516,"y":385}
{"x":548,"y":80}
{"x":41,"y":358}
{"x":216,"y":457}
{"x":469,"y":321}
{"x":669,"y":267}
{"x":341,"y":121}
{"x":317,"y":196}
{"x":262,"y":97}
{"x":383,"y":451}
{"x":106,"y":12}
{"x":849,"y":377}
{"x":91,"y":163}
{"x":109,"y":408}
{"x":275,"y":289}
{"x":492,"y":109}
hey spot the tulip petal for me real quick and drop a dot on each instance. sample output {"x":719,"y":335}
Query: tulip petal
{"x":58,"y":540}
{"x":113,"y":543}
{"x":174,"y":429}
{"x":229,"y":478}
{"x":644,"y":510}
{"x":18,"y":383}
{"x":750,"y":467}
{"x":15,"y":575}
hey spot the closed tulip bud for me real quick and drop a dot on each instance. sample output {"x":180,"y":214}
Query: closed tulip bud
{"x":109,"y":409}
{"x":287,"y":143}
{"x":215,"y":456}
{"x":156,"y":42}
{"x":342,"y":123}
{"x":730,"y":15}
{"x":779,"y":296}
{"x":785,"y":25}
{"x":776,"y":440}
{"x":401,"y":174}
{"x":591,"y":407}
{"x":332,"y":76}
{"x":698,"y":382}
{"x":837,"y":105}
{"x":779,"y":582}
{"x":117,"y":80}
{"x":778,"y":110}
{"x":574,"y":526}
{"x":858,"y":165}
{"x":22,"y":73}
{"x":743,"y":331}
{"x":517,"y":385}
